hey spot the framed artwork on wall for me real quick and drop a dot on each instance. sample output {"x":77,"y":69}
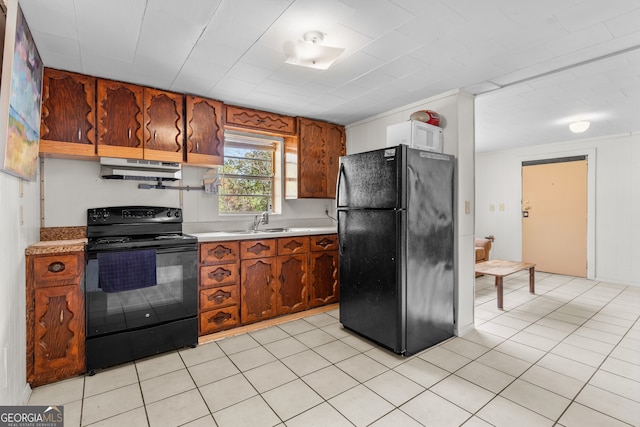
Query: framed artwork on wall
{"x":20,"y":97}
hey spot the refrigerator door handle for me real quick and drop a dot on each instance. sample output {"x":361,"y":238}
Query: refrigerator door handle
{"x":340,"y":173}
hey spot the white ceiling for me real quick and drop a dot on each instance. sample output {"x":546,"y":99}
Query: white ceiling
{"x":535,"y":65}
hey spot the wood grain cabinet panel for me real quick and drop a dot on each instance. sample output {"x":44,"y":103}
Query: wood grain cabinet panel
{"x":55,"y":317}
{"x":313,"y":159}
{"x":205,"y":131}
{"x":324,"y":284}
{"x":163,"y":125}
{"x":324,"y":242}
{"x":223,"y":296}
{"x":219,"y":286}
{"x":251,"y":249}
{"x":293,"y":245}
{"x":219,"y":253}
{"x":68,"y":119}
{"x":259,"y":120}
{"x":292,"y":283}
{"x":220,"y":319}
{"x":120,"y":119}
{"x":258,"y":289}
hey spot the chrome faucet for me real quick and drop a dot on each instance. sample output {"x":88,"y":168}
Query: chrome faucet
{"x":263,"y":218}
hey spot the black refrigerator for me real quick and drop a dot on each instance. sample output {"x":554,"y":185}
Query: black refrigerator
{"x":396,"y":239}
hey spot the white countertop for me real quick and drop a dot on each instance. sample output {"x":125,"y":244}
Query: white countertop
{"x":262,"y":233}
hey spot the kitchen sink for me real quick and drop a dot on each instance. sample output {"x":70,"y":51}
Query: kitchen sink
{"x":273,"y":230}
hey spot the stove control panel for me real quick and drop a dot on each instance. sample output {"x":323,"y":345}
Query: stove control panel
{"x":133,"y":214}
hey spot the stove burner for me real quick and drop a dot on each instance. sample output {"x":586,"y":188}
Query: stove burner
{"x":113,"y":239}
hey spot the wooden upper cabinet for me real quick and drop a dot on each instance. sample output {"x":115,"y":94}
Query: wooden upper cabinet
{"x":320,"y":144}
{"x":265,"y":121}
{"x":163,"y":125}
{"x":205,"y":132}
{"x":120,"y":116}
{"x":68,"y":124}
{"x":336,"y":147}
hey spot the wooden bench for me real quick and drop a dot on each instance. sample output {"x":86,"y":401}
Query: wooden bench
{"x":500,"y":269}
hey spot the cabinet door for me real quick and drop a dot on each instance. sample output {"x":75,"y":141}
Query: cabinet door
{"x":258,"y":289}
{"x":68,"y":124}
{"x":205,"y":132}
{"x":323,"y":282}
{"x":336,"y":147}
{"x":163,"y":125}
{"x":312,"y":171}
{"x":259,"y":120}
{"x":292,"y":283}
{"x":59,"y":333}
{"x":120,"y":118}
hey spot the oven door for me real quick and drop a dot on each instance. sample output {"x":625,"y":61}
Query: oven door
{"x":175,"y":296}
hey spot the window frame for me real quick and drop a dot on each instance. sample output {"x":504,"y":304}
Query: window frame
{"x":268,"y":143}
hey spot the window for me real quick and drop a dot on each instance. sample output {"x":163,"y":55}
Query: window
{"x":250,"y":176}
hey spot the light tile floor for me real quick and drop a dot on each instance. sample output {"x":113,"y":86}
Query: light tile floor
{"x":567,"y":356}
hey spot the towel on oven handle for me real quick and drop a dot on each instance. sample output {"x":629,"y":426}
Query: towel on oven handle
{"x":125,"y":271}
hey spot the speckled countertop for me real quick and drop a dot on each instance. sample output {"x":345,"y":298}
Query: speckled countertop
{"x":266,"y":233}
{"x":56,"y":240}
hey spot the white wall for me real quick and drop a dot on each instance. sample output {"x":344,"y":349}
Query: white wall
{"x":614,"y":197}
{"x":457,"y":110}
{"x":73,"y":186}
{"x":16,"y":236}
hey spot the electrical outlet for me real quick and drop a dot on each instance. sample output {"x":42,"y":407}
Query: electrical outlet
{"x":326,"y":208}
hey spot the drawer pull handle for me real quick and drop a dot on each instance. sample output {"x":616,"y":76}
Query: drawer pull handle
{"x":325,"y":242}
{"x":220,"y":252}
{"x":220,"y":274}
{"x":56,"y":267}
{"x":220,"y":318}
{"x":219,"y":296}
{"x":293,"y":245}
{"x":61,"y":316}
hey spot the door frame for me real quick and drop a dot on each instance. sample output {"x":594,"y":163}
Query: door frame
{"x":590,"y":153}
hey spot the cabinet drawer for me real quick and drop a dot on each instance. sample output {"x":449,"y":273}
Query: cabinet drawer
{"x":218,"y":253}
{"x":293,"y":245}
{"x":217,"y":320}
{"x":55,"y":270}
{"x":218,"y":275}
{"x":250,"y":249}
{"x":219,"y":297}
{"x":259,"y":120}
{"x":324,"y":242}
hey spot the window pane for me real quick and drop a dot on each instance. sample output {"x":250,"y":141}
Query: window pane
{"x":248,"y":166}
{"x":240,"y":186}
{"x":243,"y":204}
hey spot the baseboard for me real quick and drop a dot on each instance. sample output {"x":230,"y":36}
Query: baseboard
{"x":465,"y":329}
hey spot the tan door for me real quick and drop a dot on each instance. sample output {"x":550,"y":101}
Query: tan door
{"x":554,"y":216}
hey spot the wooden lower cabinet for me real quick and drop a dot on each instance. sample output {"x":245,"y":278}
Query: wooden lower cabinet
{"x":275,"y":277}
{"x":259,"y":289}
{"x":55,"y":317}
{"x":324,"y":282}
{"x":292,"y":283}
{"x":219,"y":287}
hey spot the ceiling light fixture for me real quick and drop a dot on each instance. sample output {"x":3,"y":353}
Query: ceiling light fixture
{"x":309,"y":52}
{"x":580,"y":126}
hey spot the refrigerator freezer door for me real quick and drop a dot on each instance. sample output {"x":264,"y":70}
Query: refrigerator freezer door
{"x":371,"y":293}
{"x":371,"y":180}
{"x":430,"y":265}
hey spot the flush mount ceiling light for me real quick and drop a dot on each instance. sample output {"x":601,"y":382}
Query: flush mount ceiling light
{"x":580,"y":126}
{"x":309,"y":52}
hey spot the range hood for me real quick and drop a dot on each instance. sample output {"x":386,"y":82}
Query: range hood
{"x":139,"y":170}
